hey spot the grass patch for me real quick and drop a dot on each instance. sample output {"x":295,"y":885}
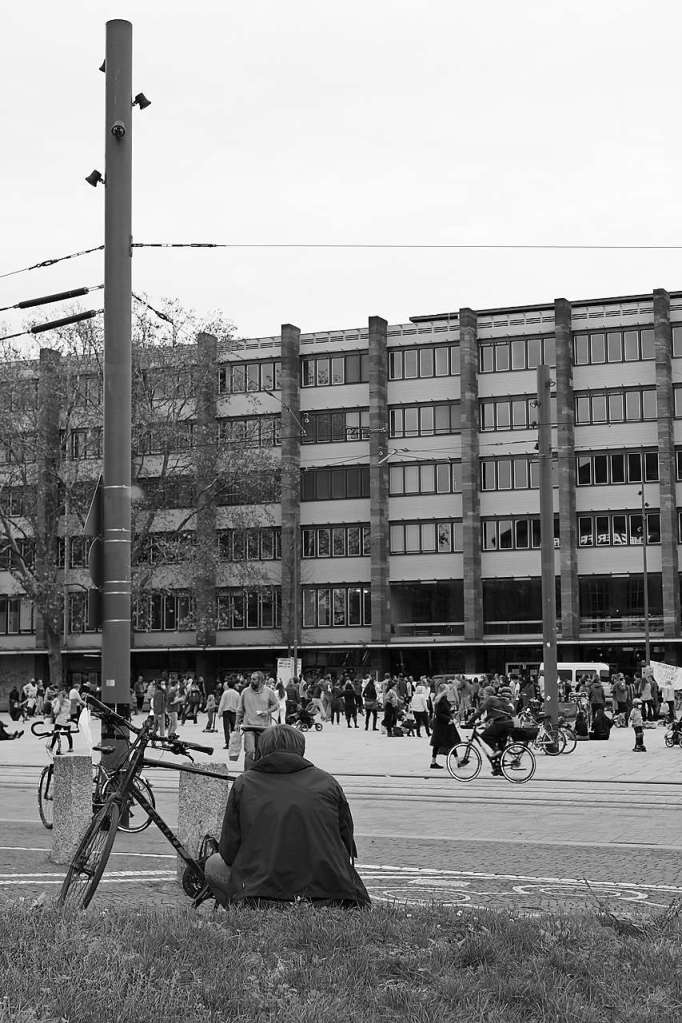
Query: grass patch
{"x":301,"y":965}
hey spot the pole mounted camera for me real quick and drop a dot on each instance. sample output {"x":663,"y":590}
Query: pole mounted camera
{"x":118,"y":129}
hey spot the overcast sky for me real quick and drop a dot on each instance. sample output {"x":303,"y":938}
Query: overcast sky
{"x":368,"y":121}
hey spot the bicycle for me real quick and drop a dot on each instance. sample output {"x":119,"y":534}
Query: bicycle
{"x":45,"y":787}
{"x":89,"y":862}
{"x":102,"y":781}
{"x":464,"y":761}
{"x":552,"y":743}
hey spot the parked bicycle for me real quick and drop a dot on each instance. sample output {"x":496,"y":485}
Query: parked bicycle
{"x":464,"y":761}
{"x":89,"y":862}
{"x":547,"y":740}
{"x":102,"y":780}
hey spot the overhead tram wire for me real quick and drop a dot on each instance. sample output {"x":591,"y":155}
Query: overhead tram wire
{"x":40,"y":328}
{"x":60,"y":296}
{"x":51,"y":262}
{"x":405,"y":245}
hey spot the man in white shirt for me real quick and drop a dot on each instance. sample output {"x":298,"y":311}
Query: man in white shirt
{"x":76,"y":702}
{"x":227,"y":710}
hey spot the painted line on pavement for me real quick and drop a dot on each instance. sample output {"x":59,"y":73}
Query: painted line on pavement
{"x":650,"y":846}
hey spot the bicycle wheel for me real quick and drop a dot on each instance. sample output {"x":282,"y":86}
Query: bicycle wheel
{"x":550,"y":744}
{"x":46,"y":797}
{"x":138,"y":819}
{"x":518,"y":763}
{"x":571,"y":741}
{"x":464,"y":762}
{"x":87,"y":866}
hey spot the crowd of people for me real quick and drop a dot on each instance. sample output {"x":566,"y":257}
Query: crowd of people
{"x":395,"y":705}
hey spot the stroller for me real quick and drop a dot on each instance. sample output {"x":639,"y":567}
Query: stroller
{"x":673,"y":735}
{"x":304,"y":718}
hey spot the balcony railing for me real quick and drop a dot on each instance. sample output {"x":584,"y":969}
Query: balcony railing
{"x":425,"y":629}
{"x":628,"y":623}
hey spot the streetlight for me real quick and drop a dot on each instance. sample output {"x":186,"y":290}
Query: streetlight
{"x":645,"y":577}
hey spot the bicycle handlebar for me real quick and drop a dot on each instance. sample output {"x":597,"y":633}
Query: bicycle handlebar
{"x":102,"y":709}
{"x":180,"y":746}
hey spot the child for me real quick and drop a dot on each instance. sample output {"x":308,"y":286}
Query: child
{"x":210,"y":710}
{"x":408,"y":723}
{"x":638,"y":725}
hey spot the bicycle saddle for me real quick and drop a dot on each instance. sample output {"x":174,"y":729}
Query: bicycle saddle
{"x":103,"y":749}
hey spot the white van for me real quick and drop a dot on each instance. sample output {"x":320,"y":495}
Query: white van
{"x":571,"y":671}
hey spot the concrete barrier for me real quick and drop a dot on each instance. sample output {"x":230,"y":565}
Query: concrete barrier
{"x":201,"y":807}
{"x":72,"y":790}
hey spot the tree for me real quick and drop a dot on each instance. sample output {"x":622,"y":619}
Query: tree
{"x":184,"y":465}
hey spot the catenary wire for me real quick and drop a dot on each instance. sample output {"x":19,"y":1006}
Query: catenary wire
{"x":581,"y":246}
{"x":52,"y":261}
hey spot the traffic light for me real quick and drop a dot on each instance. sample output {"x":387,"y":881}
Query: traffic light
{"x":94,"y":528}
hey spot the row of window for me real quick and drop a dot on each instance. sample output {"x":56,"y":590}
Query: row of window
{"x":632,"y":406}
{"x":613,"y":346}
{"x":617,"y":529}
{"x":521,"y":473}
{"x":262,"y":543}
{"x":329,"y":370}
{"x":341,"y":541}
{"x":424,"y":420}
{"x":342,"y":482}
{"x":441,"y":537}
{"x":425,"y":478}
{"x":430,"y":361}
{"x":258,"y":608}
{"x":619,"y":467}
{"x":245,"y":377}
{"x":16,"y":615}
{"x":336,"y":606}
{"x":516,"y":353}
{"x":250,"y":431}
{"x":511,"y":413}
{"x":514,"y":534}
{"x":338,"y":426}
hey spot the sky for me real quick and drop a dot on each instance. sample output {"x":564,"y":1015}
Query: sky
{"x":373,"y":121}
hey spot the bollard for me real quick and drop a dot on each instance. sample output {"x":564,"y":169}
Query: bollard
{"x":72,"y":790}
{"x":201,"y":807}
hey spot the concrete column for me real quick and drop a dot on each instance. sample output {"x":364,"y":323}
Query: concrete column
{"x":49,"y":626}
{"x":72,"y":791}
{"x":291,"y":485}
{"x":666,"y":464}
{"x":206,"y":469}
{"x":378,"y":480}
{"x":471,"y":505}
{"x":201,"y":808}
{"x":568,"y":526}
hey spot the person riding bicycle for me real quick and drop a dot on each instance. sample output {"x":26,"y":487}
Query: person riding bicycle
{"x":499,"y":712}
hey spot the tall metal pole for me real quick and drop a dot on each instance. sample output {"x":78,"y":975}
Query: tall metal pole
{"x":117,"y":365}
{"x":645,"y":537}
{"x":549,"y":643}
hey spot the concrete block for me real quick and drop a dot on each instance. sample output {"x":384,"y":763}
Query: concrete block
{"x":201,"y":807}
{"x":72,"y":788}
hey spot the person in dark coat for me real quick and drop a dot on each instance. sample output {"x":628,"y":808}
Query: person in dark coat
{"x":350,"y":703}
{"x":287,"y":833}
{"x":444,"y":734}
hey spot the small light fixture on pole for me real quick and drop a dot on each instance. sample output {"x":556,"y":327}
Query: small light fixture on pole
{"x":647,"y":651}
{"x":141,"y":101}
{"x":94,"y":178}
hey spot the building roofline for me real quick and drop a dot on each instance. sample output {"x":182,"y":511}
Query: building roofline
{"x":543,"y":306}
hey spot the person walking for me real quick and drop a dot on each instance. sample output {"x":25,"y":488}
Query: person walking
{"x":391,"y":705}
{"x":61,"y":709}
{"x":350,"y":705}
{"x":371,"y":703}
{"x":445,"y":734}
{"x":158,"y":708}
{"x":419,"y":705}
{"x":597,"y":697}
{"x":173,"y":702}
{"x":256,"y":705}
{"x":337,"y":704}
{"x":77,"y":703}
{"x":138,"y":689}
{"x":646,"y":698}
{"x":227,"y":709}
{"x":280,"y":718}
{"x":210,"y":710}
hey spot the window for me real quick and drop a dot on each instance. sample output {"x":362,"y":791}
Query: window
{"x":423,"y":420}
{"x":316,"y":484}
{"x":518,"y":354}
{"x":257,"y":608}
{"x":429,"y":537}
{"x":513,"y":534}
{"x":323,"y":376}
{"x":336,"y":607}
{"x":602,"y":407}
{"x":601,"y":473}
{"x":677,"y":342}
{"x":617,"y":529}
{"x":424,"y":478}
{"x":614,"y":346}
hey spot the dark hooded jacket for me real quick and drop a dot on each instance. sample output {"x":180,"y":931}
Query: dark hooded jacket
{"x":288,"y":834}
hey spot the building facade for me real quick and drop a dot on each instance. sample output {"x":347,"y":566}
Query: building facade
{"x":401,"y":529}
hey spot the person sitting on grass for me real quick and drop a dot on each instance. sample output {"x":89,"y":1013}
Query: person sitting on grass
{"x":287,"y":835}
{"x":5,"y":735}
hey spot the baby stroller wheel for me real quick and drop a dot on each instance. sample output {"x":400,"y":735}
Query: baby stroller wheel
{"x":669,"y":740}
{"x":318,"y":726}
{"x":303,"y":726}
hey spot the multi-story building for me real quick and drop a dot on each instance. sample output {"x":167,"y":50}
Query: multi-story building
{"x":405,"y":529}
